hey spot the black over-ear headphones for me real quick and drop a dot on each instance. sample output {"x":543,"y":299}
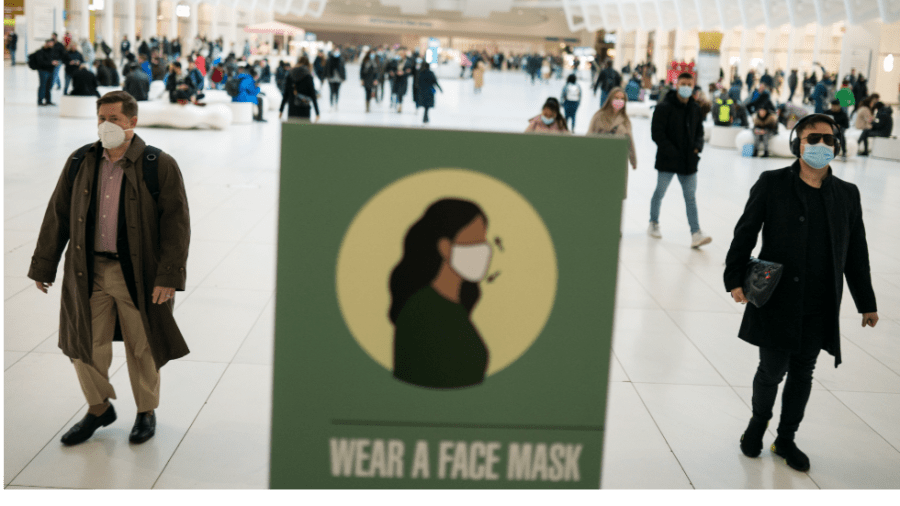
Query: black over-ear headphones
{"x":817,"y":118}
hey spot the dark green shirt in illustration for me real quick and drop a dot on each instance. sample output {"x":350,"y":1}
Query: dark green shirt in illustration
{"x":436,"y":345}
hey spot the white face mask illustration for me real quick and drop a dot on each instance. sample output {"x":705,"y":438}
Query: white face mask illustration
{"x":111,"y":135}
{"x":471,"y":262}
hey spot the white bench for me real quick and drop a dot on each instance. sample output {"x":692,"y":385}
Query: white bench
{"x":165,"y":114}
{"x":71,"y":106}
{"x":723,"y":136}
{"x":885,"y":147}
{"x":641,"y":109}
{"x":242,"y":112}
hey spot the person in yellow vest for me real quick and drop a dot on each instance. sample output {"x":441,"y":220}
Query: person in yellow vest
{"x":723,"y":110}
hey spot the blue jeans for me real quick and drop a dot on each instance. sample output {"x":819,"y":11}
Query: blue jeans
{"x":46,"y":82}
{"x":570,"y":109}
{"x":68,"y":82}
{"x":56,"y":75}
{"x":603,"y":94}
{"x":688,"y":188}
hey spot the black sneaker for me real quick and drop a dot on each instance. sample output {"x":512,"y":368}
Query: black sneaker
{"x":751,"y":439}
{"x":791,"y":454}
{"x":84,"y":429}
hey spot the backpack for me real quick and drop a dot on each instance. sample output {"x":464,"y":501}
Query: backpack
{"x":216,"y":76}
{"x":573,"y":93}
{"x":723,"y":112}
{"x":150,"y":167}
{"x":32,"y":60}
{"x":233,"y":87}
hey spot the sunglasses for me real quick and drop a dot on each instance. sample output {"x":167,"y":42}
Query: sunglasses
{"x":815,"y":138}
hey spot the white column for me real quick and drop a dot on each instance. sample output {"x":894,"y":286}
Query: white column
{"x":130,"y":25}
{"x":173,"y":23}
{"x":232,"y":35}
{"x":108,"y":16}
{"x":270,"y":38}
{"x":84,"y":21}
{"x":640,"y":48}
{"x":193,"y":23}
{"x":678,"y":50}
{"x":151,"y":14}
{"x":214,"y":22}
{"x":768,"y":58}
{"x":817,"y":50}
{"x":744,"y":64}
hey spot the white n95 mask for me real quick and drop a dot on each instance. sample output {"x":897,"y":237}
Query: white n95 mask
{"x":111,"y":135}
{"x":471,"y":262}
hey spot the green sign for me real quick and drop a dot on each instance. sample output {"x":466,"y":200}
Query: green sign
{"x":444,"y":308}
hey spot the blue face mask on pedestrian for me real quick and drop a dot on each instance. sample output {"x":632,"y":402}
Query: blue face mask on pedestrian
{"x":685,"y":91}
{"x":818,"y":156}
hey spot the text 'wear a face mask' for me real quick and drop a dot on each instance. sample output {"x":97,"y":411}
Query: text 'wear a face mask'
{"x":618,"y":104}
{"x":547,"y":121}
{"x":111,"y":135}
{"x":818,"y":156}
{"x":471,"y":262}
{"x":685,"y":91}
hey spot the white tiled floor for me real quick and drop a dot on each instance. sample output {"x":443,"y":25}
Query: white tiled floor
{"x":679,"y":394}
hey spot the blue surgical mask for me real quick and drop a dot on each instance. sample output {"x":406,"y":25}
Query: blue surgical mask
{"x":685,"y":91}
{"x":547,"y":121}
{"x":818,"y":156}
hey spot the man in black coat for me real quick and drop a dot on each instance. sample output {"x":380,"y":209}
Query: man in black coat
{"x":843,"y":121}
{"x":61,"y":55}
{"x":84,"y":82}
{"x":136,"y":83}
{"x":125,"y":47}
{"x":43,"y":60}
{"x":792,"y":84}
{"x":677,"y":130}
{"x":606,"y":81}
{"x":812,"y":224}
{"x":762,"y":101}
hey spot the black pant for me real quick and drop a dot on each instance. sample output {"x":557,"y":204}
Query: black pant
{"x":864,"y":139}
{"x":335,"y":92}
{"x":792,"y":93}
{"x":799,"y":365}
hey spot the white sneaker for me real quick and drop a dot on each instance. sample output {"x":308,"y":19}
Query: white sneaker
{"x":699,"y":239}
{"x":653,"y":230}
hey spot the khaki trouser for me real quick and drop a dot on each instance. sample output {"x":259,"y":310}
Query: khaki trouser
{"x":110,"y":296}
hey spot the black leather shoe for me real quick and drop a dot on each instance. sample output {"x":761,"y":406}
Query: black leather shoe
{"x":83,"y":430}
{"x":751,"y":439}
{"x":144,"y":427}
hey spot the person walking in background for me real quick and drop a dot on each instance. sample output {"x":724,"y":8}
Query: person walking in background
{"x":61,"y":55}
{"x":12,"y":42}
{"x":319,"y":67}
{"x":792,"y":84}
{"x":751,"y":80}
{"x":299,"y":92}
{"x":336,"y":74}
{"x":843,"y":121}
{"x":571,"y":99}
{"x":43,"y":60}
{"x":607,"y":80}
{"x":368,"y":76}
{"x":550,"y":119}
{"x":882,"y":126}
{"x":678,"y":133}
{"x":817,"y":251}
{"x":112,"y":279}
{"x":428,"y":83}
{"x":612,"y":119}
{"x":478,"y":76}
{"x":124,"y":48}
{"x":765,"y":126}
{"x":820,"y":94}
{"x":73,"y":63}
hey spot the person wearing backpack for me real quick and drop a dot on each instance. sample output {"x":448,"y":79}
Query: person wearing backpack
{"x":299,"y":95}
{"x":571,"y":99}
{"x":247,"y":90}
{"x":723,"y":110}
{"x":44,"y":62}
{"x":120,"y":211}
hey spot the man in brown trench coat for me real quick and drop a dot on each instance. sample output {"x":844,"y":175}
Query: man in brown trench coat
{"x":126,"y":257}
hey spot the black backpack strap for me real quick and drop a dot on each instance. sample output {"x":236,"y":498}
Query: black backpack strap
{"x":151,"y":170}
{"x":77,"y":158}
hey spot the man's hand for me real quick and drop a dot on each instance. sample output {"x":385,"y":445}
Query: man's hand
{"x":161,"y":295}
{"x":738,"y":295}
{"x":870,"y":319}
{"x":44,"y":286}
{"x":696,"y":151}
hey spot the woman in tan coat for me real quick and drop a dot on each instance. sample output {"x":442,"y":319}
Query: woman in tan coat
{"x":612,"y":119}
{"x":478,"y":76}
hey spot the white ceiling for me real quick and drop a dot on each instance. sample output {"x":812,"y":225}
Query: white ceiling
{"x":623,"y":14}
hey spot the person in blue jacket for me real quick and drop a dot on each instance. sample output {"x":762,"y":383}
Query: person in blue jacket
{"x":249,"y":91}
{"x":820,"y":93}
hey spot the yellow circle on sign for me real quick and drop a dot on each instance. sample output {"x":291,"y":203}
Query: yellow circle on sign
{"x":513,"y":308}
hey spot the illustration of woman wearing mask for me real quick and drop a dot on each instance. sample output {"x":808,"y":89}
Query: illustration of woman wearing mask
{"x":434,"y":289}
